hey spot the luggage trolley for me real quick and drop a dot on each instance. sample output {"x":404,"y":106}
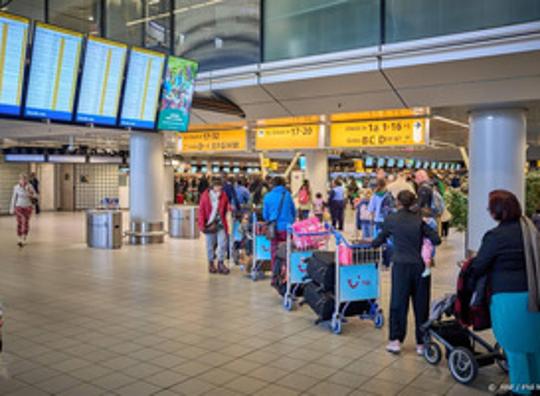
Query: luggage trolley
{"x":357,"y":279}
{"x":296,"y":260}
{"x":261,"y":250}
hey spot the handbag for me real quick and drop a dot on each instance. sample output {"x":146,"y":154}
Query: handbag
{"x":210,"y":228}
{"x":272,"y":225}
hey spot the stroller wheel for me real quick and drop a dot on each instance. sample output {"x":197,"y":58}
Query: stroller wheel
{"x":502,"y":362}
{"x":432,"y":353}
{"x":463,"y":365}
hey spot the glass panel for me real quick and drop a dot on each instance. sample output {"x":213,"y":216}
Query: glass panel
{"x":414,"y":19}
{"x":34,"y":9}
{"x":218,"y":33}
{"x":124,"y":21}
{"x":80,"y":15}
{"x":157,"y":27}
{"x":299,"y":28}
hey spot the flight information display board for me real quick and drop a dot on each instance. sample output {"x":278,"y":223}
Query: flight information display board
{"x":53,"y":73}
{"x":141,"y":92}
{"x":101,"y":81}
{"x":13,"y":38}
{"x":178,"y":88}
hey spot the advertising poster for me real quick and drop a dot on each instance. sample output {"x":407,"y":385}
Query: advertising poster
{"x":178,"y":88}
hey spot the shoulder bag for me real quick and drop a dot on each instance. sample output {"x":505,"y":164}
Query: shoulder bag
{"x":271,"y":225}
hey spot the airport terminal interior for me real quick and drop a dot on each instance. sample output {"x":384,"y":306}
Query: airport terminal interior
{"x":222,"y":197}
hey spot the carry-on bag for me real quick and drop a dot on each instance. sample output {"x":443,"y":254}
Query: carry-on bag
{"x":321,"y":269}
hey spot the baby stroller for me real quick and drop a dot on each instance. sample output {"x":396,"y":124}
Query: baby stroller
{"x":466,"y":352}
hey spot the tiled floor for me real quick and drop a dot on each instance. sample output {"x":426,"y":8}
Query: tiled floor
{"x":150,"y":320}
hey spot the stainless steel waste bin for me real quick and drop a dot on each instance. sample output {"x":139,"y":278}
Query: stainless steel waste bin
{"x":104,"y":229}
{"x":183,"y":222}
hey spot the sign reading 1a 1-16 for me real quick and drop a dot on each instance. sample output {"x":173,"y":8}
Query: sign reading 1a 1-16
{"x":177,"y":95}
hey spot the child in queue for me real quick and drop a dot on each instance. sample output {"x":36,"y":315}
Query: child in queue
{"x":363,"y":220}
{"x":318,"y":206}
{"x":428,"y":249}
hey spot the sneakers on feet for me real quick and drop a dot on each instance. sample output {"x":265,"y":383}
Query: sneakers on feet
{"x":426,"y":273}
{"x":420,"y":350}
{"x":394,"y":347}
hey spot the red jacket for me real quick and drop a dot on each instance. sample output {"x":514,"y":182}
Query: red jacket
{"x":205,"y":209}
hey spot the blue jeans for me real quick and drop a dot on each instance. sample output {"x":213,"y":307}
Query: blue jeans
{"x":220,"y":239}
{"x":366,"y":227}
{"x":387,"y":254}
{"x":522,"y":347}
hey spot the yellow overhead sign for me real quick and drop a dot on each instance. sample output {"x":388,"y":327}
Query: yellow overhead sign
{"x":287,"y":138}
{"x":396,"y":132}
{"x":380,"y":114}
{"x":313,"y":119}
{"x":193,"y":142}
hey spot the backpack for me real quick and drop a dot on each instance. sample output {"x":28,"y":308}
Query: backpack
{"x":303,"y":196}
{"x":437,"y":203}
{"x":388,"y":205}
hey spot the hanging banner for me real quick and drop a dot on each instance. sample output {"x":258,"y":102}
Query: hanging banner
{"x":193,"y":142}
{"x":287,"y":138}
{"x":396,"y":132}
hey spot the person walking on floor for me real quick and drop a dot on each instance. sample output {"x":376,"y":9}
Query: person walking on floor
{"x":213,"y":208}
{"x":336,"y":204}
{"x":35,"y":183}
{"x":510,"y":256}
{"x":407,"y":231}
{"x":22,"y":201}
{"x":304,"y":200}
{"x":278,"y":208}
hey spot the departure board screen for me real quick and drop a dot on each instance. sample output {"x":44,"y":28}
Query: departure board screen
{"x":101,"y":81}
{"x":53,"y":73}
{"x":141,"y":92}
{"x":13,"y":38}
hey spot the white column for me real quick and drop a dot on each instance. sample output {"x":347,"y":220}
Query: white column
{"x":146,"y":184}
{"x":168,"y":191}
{"x":497,"y":151}
{"x":317,"y":171}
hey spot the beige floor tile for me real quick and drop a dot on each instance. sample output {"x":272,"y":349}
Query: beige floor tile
{"x":298,"y":382}
{"x":329,"y":388}
{"x":246,"y":385}
{"x":218,"y":376}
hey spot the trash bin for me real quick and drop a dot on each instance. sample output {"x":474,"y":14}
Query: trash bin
{"x":104,"y":229}
{"x":183,"y":222}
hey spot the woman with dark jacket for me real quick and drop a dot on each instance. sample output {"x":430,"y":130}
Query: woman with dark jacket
{"x":407,"y":229}
{"x":514,"y":312}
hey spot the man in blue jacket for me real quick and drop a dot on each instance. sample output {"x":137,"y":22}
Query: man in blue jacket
{"x":278,"y":206}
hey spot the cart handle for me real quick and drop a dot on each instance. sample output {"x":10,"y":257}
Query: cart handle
{"x":340,"y":239}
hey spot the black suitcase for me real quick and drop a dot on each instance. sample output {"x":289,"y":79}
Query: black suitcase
{"x":321,"y":302}
{"x":321,"y":270}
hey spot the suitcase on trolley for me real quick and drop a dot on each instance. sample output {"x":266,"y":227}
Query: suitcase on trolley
{"x":321,"y":302}
{"x":321,"y":269}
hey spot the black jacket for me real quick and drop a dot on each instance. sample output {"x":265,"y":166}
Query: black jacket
{"x":407,"y":230}
{"x":502,"y":258}
{"x":425,"y":195}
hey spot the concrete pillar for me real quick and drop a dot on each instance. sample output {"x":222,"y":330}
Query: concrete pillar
{"x":146,"y":188}
{"x":317,"y":171}
{"x":168,"y":191}
{"x":497,"y":151}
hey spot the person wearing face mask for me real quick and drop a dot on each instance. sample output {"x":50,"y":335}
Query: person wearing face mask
{"x":22,"y":201}
{"x":213,"y":208}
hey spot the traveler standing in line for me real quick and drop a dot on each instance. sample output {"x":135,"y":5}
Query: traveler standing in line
{"x":22,"y":202}
{"x":352,"y":191}
{"x":424,"y":189}
{"x":381,"y":204}
{"x":407,"y":231}
{"x":399,"y":184}
{"x":35,"y":183}
{"x":213,"y":208}
{"x":304,"y":200}
{"x":509,"y":256}
{"x":278,"y":208}
{"x":336,"y":204}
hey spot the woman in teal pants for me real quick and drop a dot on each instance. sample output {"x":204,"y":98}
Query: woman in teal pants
{"x":516,"y":326}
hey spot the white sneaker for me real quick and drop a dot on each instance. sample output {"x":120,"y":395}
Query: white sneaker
{"x":420,"y":350}
{"x":426,"y":273}
{"x":394,"y":347}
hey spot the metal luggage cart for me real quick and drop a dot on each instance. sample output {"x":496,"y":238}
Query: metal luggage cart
{"x":357,"y":280}
{"x":261,"y":250}
{"x":296,"y":262}
{"x":234,"y":238}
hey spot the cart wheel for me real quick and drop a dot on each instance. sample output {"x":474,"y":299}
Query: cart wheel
{"x":501,"y":362}
{"x":432,"y":353}
{"x":378,"y":320}
{"x":336,"y":325}
{"x":288,"y":302}
{"x":463,"y":365}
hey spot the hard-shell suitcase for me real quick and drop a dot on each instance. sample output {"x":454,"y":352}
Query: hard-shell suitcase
{"x":321,"y":270}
